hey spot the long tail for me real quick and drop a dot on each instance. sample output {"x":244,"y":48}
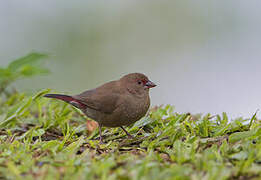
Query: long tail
{"x":69,"y":99}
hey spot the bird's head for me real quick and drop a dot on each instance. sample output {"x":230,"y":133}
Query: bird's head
{"x":137,"y":83}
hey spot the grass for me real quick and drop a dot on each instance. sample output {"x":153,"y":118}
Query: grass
{"x":47,"y":139}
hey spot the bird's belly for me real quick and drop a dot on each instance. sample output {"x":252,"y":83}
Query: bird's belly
{"x":125,"y":115}
{"x":114,"y":119}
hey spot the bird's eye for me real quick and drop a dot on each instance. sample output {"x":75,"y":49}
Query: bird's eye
{"x":139,"y":82}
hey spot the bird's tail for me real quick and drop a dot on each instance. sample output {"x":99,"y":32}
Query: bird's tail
{"x":69,"y":99}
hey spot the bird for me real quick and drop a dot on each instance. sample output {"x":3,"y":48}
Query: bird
{"x":116,"y":103}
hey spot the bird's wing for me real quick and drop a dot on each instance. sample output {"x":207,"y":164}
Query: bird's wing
{"x":104,"y":98}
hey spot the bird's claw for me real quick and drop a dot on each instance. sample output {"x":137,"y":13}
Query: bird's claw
{"x":130,"y":136}
{"x":101,"y":141}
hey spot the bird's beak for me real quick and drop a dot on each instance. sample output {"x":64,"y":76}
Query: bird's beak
{"x":150,"y":84}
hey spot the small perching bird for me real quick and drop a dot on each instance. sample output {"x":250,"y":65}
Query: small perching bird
{"x":114,"y":104}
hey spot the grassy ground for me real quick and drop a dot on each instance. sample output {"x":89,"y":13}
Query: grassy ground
{"x":47,"y":139}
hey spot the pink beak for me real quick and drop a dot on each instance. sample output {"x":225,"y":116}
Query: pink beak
{"x":150,"y":84}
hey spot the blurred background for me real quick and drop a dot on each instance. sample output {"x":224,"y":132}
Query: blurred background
{"x":204,"y":55}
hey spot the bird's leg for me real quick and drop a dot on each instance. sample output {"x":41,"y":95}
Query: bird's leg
{"x":100,"y":132}
{"x":128,"y":134}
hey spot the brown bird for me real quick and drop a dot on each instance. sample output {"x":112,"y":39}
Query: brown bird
{"x":114,"y":104}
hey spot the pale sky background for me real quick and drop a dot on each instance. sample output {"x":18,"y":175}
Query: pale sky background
{"x":205,"y":56}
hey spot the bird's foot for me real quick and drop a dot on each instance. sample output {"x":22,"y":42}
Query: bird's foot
{"x":130,"y":136}
{"x":101,"y":140}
